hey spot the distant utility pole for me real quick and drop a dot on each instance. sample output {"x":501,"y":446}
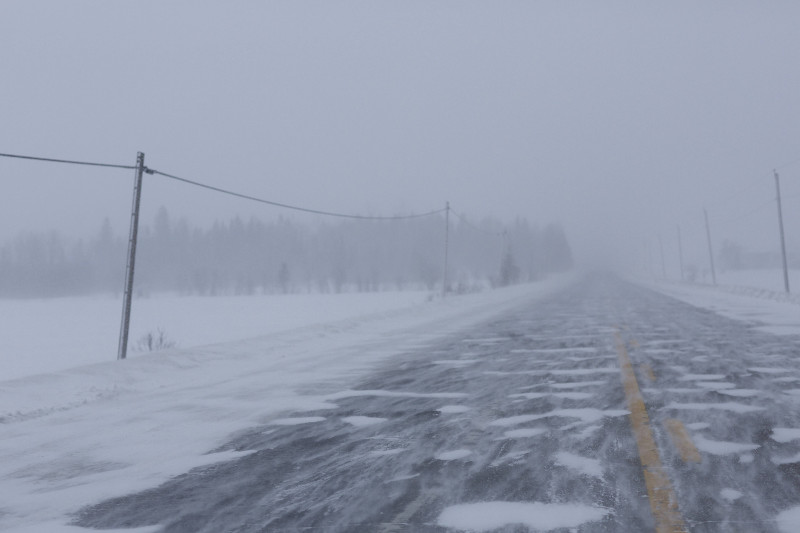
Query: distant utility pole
{"x":710,"y":249}
{"x":446,"y":246}
{"x":680,"y":251}
{"x":663,"y":263}
{"x":134,"y":231}
{"x":783,"y":240}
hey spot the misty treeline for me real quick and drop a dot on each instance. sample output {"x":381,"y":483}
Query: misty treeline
{"x":282,"y":256}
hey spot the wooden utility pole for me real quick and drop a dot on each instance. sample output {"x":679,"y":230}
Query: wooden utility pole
{"x":710,"y":249}
{"x":680,"y":252}
{"x":783,"y":240}
{"x":663,"y":262}
{"x":446,"y":246}
{"x":134,"y":231}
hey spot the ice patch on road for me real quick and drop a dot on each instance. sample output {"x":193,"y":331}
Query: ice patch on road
{"x":555,"y":350}
{"x":785,"y":434}
{"x":596,"y":358}
{"x":789,"y":520}
{"x":362,"y":421}
{"x":487,"y":340}
{"x":664,"y":341}
{"x":563,"y":395}
{"x":585,"y":415}
{"x":719,"y":447}
{"x":572,"y":372}
{"x":725,"y":406}
{"x":573,"y":395}
{"x":58,"y":527}
{"x":584,"y":371}
{"x":456,"y":362}
{"x":393,"y":394}
{"x":702,"y":377}
{"x":786,"y":460}
{"x":584,"y":465}
{"x":384,"y":453}
{"x":730,"y":495}
{"x":587,"y":432}
{"x":449,"y":409}
{"x":740,"y":393}
{"x":511,"y":458}
{"x":486,"y":516}
{"x":715,"y":385}
{"x":296,"y":421}
{"x":524,"y":433}
{"x":576,"y":384}
{"x":452,"y":455}
{"x":514,"y":420}
{"x":530,"y":395}
{"x":768,"y":370}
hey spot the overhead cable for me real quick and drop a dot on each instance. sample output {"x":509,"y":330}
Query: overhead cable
{"x":225,"y":191}
{"x":293,"y":207}
{"x":70,"y":162}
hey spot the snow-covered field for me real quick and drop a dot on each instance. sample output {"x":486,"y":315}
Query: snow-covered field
{"x":769,"y":279}
{"x":41,"y":336}
{"x":749,"y":295}
{"x":95,"y":428}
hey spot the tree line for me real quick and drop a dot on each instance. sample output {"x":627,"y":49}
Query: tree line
{"x":283,"y":255}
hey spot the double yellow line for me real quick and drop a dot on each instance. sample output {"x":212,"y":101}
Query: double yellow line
{"x":663,"y":501}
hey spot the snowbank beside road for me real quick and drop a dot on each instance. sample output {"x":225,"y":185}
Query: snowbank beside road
{"x":770,"y":279}
{"x":770,"y":311}
{"x":74,"y":437}
{"x":56,"y":334}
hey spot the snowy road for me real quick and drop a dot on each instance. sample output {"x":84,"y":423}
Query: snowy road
{"x":528,"y":422}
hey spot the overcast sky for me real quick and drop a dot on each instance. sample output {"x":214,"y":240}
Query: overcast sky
{"x":620,"y":120}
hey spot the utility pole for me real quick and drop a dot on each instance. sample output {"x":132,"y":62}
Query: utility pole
{"x":663,"y":264}
{"x":134,"y":231}
{"x":783,"y":240}
{"x":680,"y":251}
{"x":446,"y":246}
{"x":710,"y":250}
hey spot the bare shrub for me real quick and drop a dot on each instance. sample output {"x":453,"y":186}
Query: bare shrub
{"x":154,"y":342}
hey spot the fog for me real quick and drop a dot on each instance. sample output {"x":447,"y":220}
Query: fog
{"x":620,"y":121}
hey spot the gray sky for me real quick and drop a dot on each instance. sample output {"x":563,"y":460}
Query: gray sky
{"x":618,"y":119}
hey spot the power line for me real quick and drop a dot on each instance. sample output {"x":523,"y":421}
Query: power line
{"x":67,"y":161}
{"x":223,"y":191}
{"x":293,"y":207}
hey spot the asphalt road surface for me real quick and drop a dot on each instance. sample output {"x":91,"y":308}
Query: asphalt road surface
{"x":605,"y":408}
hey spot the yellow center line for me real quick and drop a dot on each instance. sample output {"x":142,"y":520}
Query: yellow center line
{"x":663,"y":501}
{"x":681,"y":439}
{"x":648,"y":372}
